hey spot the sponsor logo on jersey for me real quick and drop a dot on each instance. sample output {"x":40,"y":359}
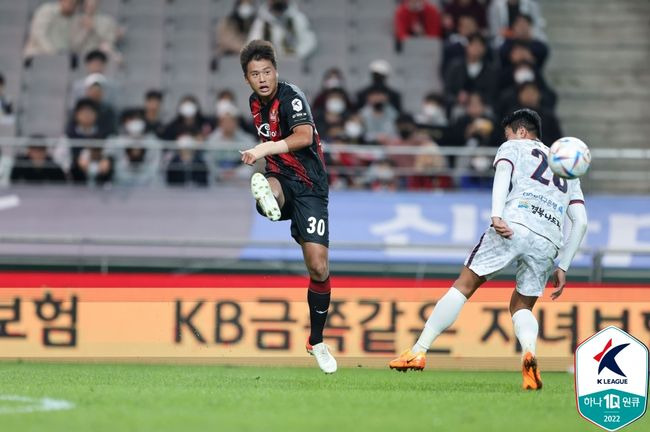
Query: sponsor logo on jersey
{"x":265,"y":130}
{"x":296,"y":104}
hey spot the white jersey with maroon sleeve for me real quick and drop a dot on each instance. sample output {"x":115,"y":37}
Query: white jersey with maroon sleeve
{"x":538,"y":199}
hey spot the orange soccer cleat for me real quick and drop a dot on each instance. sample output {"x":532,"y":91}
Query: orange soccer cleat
{"x":530,"y":373}
{"x":408,"y":360}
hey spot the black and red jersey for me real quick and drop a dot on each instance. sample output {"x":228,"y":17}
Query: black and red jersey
{"x":275,"y":121}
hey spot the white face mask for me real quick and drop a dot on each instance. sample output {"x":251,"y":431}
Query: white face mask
{"x":433,"y":111}
{"x":245,"y":10}
{"x":524,"y":75}
{"x":185,"y":142}
{"x":335,"y":105}
{"x":473,"y":69}
{"x":135,"y":127}
{"x":353,"y":129}
{"x":188,"y":109}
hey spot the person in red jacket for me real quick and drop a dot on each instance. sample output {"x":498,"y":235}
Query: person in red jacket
{"x":417,"y":18}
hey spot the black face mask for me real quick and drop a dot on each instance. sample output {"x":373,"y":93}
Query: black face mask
{"x":279,"y":7}
{"x":378,"y":107}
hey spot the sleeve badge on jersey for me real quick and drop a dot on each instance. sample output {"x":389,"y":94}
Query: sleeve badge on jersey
{"x":296,"y":104}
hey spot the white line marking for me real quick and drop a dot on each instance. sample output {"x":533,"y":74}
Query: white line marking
{"x":23,"y":404}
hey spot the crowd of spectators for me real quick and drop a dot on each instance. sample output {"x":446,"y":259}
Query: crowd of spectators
{"x":492,"y":62}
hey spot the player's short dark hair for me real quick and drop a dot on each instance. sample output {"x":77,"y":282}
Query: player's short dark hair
{"x":153,"y":94}
{"x":257,"y":50}
{"x":525,"y":118}
{"x":96,"y":55}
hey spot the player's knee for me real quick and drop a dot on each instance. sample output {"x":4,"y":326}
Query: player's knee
{"x":318,"y":270}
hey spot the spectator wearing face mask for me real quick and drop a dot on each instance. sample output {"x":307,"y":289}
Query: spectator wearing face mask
{"x":512,"y":78}
{"x":225,"y":143}
{"x":226,"y":99}
{"x":529,"y":95}
{"x":188,"y":121}
{"x":379,"y":72}
{"x":473,"y":73}
{"x":136,"y":154}
{"x":432,"y":118}
{"x":187,"y":166}
{"x":378,"y":117}
{"x":36,"y":166}
{"x":416,"y":18}
{"x":522,"y":34}
{"x":107,"y":118}
{"x":152,"y":109}
{"x":456,"y":43}
{"x":232,"y":30}
{"x":333,"y":80}
{"x":333,"y":113}
{"x":281,"y":23}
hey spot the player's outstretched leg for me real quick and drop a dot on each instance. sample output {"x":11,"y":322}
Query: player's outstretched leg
{"x":443,"y":316}
{"x":526,"y":329}
{"x":263,"y":194}
{"x":318,"y":298}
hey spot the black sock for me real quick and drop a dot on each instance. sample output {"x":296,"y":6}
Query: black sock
{"x":319,"y":303}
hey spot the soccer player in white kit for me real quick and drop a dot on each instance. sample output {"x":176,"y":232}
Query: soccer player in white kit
{"x":529,"y":204}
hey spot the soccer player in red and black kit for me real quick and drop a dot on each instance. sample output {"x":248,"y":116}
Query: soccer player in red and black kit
{"x":295,"y":183}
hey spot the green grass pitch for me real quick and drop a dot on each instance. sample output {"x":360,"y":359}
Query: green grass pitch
{"x":217,"y":398}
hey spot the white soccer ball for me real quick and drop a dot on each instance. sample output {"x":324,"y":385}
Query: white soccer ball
{"x":569,"y":158}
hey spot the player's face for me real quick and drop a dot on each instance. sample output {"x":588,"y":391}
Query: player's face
{"x":262,"y":77}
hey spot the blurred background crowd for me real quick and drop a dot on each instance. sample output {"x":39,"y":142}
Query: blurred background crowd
{"x":150,"y":92}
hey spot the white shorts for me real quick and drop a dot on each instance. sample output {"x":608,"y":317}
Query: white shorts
{"x":532,"y":253}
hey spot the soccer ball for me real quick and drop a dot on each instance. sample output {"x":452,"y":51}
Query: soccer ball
{"x":569,"y":158}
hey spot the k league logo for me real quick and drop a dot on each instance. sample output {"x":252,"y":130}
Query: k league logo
{"x":611,"y":378}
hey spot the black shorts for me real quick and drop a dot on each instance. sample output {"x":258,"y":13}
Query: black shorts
{"x":306,"y":210}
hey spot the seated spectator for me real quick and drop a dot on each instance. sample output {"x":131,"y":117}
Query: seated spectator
{"x":456,"y":43}
{"x":136,"y":155}
{"x":224,"y":145}
{"x":94,"y":63}
{"x":36,"y":166}
{"x":353,"y":129}
{"x":333,"y":80}
{"x":226,"y":98}
{"x":523,"y":34}
{"x":97,"y":31}
{"x":530,"y":96}
{"x":188,"y":121}
{"x":432,"y":118}
{"x":333,"y":113}
{"x":521,"y":73}
{"x":473,"y":73}
{"x":475,"y":129}
{"x":89,"y":163}
{"x":379,"y":72}
{"x":232,"y":30}
{"x":107,"y":118}
{"x":380,"y":175}
{"x":281,"y":23}
{"x":187,"y":166}
{"x":455,"y":9}
{"x":378,"y":117}
{"x":53,"y":29}
{"x":502,"y":13}
{"x":153,"y":100}
{"x":416,"y":18}
{"x":6,"y":106}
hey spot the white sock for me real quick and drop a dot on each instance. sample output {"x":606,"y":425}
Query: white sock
{"x":526,"y":329}
{"x":442,"y":316}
